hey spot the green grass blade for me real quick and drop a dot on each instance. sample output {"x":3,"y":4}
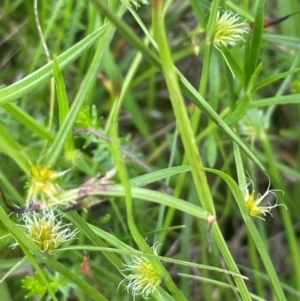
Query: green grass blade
{"x":55,"y":150}
{"x":42,"y":75}
{"x":254,"y":42}
{"x":191,"y":92}
{"x":28,"y":121}
{"x":260,"y":245}
{"x":138,"y":193}
{"x":218,"y":284}
{"x":278,"y":100}
{"x":273,"y":78}
{"x":234,"y":65}
{"x":287,"y":41}
{"x":187,"y":88}
{"x":188,"y":138}
{"x":239,"y":112}
{"x":63,"y":102}
{"x":96,"y":241}
{"x":10,"y":147}
{"x":159,"y":175}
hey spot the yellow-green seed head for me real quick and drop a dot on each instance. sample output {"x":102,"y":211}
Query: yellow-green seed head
{"x":42,"y":184}
{"x":47,"y":229}
{"x":229,"y":29}
{"x":141,"y":276}
{"x":253,"y":202}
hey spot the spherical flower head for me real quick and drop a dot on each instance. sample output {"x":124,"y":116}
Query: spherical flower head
{"x":253,"y":202}
{"x":47,"y":229}
{"x":143,"y":278}
{"x":229,"y":29}
{"x":42,"y":182}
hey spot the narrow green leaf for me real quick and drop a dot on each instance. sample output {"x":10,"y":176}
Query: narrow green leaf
{"x":273,"y":78}
{"x":187,"y":88}
{"x":278,"y":39}
{"x":126,"y":250}
{"x":218,"y":284}
{"x":212,"y":149}
{"x":288,"y":288}
{"x":197,"y":9}
{"x":260,"y":245}
{"x":55,"y":150}
{"x":11,"y":148}
{"x":28,"y":121}
{"x":234,"y":65}
{"x":278,"y":100}
{"x":137,"y":193}
{"x":17,"y":265}
{"x":12,"y":190}
{"x":253,"y":45}
{"x":204,"y":105}
{"x":240,"y":9}
{"x":253,"y":78}
{"x":96,"y":241}
{"x":42,"y":75}
{"x":159,"y":175}
{"x":63,"y":102}
{"x":239,"y":112}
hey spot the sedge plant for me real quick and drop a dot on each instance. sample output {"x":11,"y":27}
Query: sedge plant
{"x":149,"y":150}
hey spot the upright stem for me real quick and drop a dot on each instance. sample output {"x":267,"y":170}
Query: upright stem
{"x":188,"y":136}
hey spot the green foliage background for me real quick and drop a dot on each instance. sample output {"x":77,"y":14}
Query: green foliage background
{"x":123,"y":88}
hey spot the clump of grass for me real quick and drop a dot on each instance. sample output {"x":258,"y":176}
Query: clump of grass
{"x":107,"y":127}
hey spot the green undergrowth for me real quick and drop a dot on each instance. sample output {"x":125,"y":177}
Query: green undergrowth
{"x":149,"y":151}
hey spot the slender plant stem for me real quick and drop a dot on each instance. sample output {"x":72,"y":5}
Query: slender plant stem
{"x":188,"y":137}
{"x":279,"y":183}
{"x":260,"y":245}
